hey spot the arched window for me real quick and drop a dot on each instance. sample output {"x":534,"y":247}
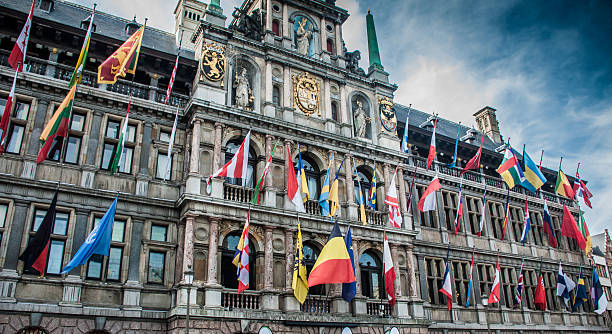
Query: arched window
{"x":275,"y":27}
{"x":334,"y":111}
{"x":32,"y":330}
{"x":311,"y":253}
{"x":276,"y":95}
{"x":312,"y":175}
{"x":230,"y":150}
{"x":229,"y":272}
{"x":372,"y":284}
{"x":365,"y":179}
{"x":330,"y":46}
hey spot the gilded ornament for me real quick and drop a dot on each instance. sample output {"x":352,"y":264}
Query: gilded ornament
{"x":213,"y":62}
{"x":306,"y":94}
{"x":387,"y":114}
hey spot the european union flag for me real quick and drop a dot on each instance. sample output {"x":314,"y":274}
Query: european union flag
{"x":349,"y":289}
{"x":98,"y":241}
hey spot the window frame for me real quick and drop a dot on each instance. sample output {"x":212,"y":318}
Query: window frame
{"x":450,"y":200}
{"x":17,"y":122}
{"x":123,"y":245}
{"x":114,"y":142}
{"x":473,"y":206}
{"x":430,"y":218}
{"x":434,"y":273}
{"x":251,"y":163}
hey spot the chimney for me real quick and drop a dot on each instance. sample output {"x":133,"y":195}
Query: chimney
{"x":487,"y":124}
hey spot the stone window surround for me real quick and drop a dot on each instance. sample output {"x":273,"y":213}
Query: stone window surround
{"x":6,"y":229}
{"x":127,"y":233}
{"x":168,"y":247}
{"x":103,"y":139}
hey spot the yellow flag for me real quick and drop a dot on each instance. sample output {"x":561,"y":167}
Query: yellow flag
{"x":300,"y":281}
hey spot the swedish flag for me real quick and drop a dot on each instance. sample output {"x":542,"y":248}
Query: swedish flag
{"x":373,"y":190}
{"x":324,"y":197}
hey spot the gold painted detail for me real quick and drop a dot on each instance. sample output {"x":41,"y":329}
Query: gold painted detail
{"x":306,"y":94}
{"x":387,"y":114}
{"x":213,"y":62}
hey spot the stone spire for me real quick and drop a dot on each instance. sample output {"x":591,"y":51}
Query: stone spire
{"x":373,"y":52}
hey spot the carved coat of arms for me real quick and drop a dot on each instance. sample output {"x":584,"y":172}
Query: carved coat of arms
{"x":306,"y":94}
{"x":213,"y":62}
{"x":387,"y":114}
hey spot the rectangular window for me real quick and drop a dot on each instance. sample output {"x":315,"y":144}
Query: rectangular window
{"x":449,"y":202}
{"x":537,"y":227}
{"x":56,"y":255}
{"x":59,"y":235}
{"x":530,"y":280}
{"x":3,"y":214}
{"x":516,"y":222}
{"x":461,"y":275}
{"x":473,"y":207}
{"x":428,"y":218}
{"x":17,"y":125}
{"x":485,"y":278}
{"x":162,"y":161}
{"x":435,"y":276}
{"x":157,"y":261}
{"x":557,"y":229}
{"x":550,"y":286}
{"x":159,"y":232}
{"x":76,"y":131}
{"x":113,"y":262}
{"x":111,"y":141}
{"x":164,"y":136}
{"x":508,"y":285}
{"x":15,"y":138}
{"x":497,"y":214}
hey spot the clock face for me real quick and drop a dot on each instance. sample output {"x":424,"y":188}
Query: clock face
{"x":387,"y":114}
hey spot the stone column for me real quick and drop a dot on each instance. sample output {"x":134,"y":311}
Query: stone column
{"x":268,"y":15}
{"x":180,"y":250}
{"x":322,"y":35}
{"x":51,"y":68}
{"x":359,"y":305}
{"x":327,"y":115}
{"x":94,"y":135}
{"x":14,"y":240}
{"x":289,"y":260}
{"x":343,"y":110}
{"x":287,"y":42}
{"x":338,"y":29}
{"x":397,"y":283}
{"x":269,"y":109}
{"x":287,"y":104}
{"x":216,"y":163}
{"x":188,"y":244}
{"x":268,"y":254}
{"x":133,"y":287}
{"x":353,"y":207}
{"x":269,"y":190}
{"x":193,"y":178}
{"x":153,"y":83}
{"x":213,"y":246}
{"x":29,"y":163}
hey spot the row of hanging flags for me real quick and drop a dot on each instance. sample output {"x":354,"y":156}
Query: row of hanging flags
{"x":121,"y":62}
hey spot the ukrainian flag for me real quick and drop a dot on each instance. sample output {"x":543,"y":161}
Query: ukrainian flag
{"x":324,"y":197}
{"x":334,"y":263}
{"x":534,"y":178}
{"x":302,"y":177}
{"x":333,"y":193}
{"x":373,"y":190}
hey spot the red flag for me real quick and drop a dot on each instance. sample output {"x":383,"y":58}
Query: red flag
{"x":6,"y":115}
{"x":237,"y":166}
{"x":432,"y":146}
{"x":35,"y":254}
{"x":389,"y":272}
{"x":570,"y":228}
{"x":474,"y":163}
{"x":494,"y":297}
{"x":539,"y":298}
{"x":17,"y":57}
{"x":428,"y":200}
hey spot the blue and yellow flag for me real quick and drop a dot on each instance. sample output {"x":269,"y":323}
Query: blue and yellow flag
{"x":333,"y":193}
{"x":372,"y":198}
{"x":360,"y":199}
{"x":302,"y":177}
{"x":581,"y":293}
{"x":534,"y":178}
{"x":324,"y":197}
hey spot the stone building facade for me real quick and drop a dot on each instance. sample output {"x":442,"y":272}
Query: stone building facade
{"x":280,"y":69}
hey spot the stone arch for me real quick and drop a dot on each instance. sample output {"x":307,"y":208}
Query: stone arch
{"x":226,"y":256}
{"x":254,"y":73}
{"x":315,"y":42}
{"x":367,"y":105}
{"x":257,"y":147}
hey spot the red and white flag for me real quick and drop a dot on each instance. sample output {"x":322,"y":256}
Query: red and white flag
{"x":482,"y":213}
{"x":6,"y":115}
{"x":243,"y":269}
{"x":391,"y":199}
{"x":237,"y":167}
{"x":494,"y":296}
{"x":428,"y":200}
{"x":459,"y":213}
{"x":171,"y":83}
{"x":581,"y":190}
{"x":474,"y":163}
{"x":432,"y":146}
{"x":293,"y":187}
{"x":17,"y":57}
{"x":389,"y":272}
{"x":447,"y":288}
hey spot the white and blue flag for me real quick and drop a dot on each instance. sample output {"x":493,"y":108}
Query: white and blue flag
{"x":564,"y":285}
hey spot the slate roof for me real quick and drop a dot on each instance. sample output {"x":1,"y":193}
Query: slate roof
{"x":108,"y":25}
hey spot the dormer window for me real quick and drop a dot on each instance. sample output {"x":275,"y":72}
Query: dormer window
{"x":85,"y":24}
{"x":46,"y":5}
{"x":132,"y":27}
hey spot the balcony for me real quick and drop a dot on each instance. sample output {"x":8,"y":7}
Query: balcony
{"x":448,"y":171}
{"x":236,"y":193}
{"x":378,"y":308}
{"x":312,"y":207}
{"x":375,"y":217}
{"x":248,"y":300}
{"x":316,"y":305}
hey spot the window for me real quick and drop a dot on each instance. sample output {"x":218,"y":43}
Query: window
{"x":111,"y":140}
{"x":473,"y":205}
{"x":74,"y":138}
{"x":550,"y":286}
{"x":530,"y":281}
{"x":449,"y":202}
{"x":162,"y":165}
{"x":496,"y":212}
{"x":228,"y":269}
{"x":159,"y":233}
{"x":330,"y":45}
{"x":276,"y":95}
{"x":435,"y":276}
{"x":85,"y":24}
{"x":508,"y":285}
{"x":311,"y":254}
{"x":557,"y":230}
{"x":364,"y":180}
{"x":112,"y":263}
{"x":59,"y":235}
{"x":372,"y":282}
{"x":17,"y":125}
{"x":3,"y":214}
{"x":461,"y":276}
{"x":275,"y":27}
{"x":428,"y":218}
{"x":231,"y":149}
{"x":516,"y":222}
{"x":537,"y":227}
{"x":46,"y":5}
{"x":334,"y":111}
{"x":164,"y":136}
{"x":156,"y":265}
{"x":485,"y":279}
{"x":313,"y":175}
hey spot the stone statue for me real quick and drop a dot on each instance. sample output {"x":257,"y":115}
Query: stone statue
{"x":303,"y":37}
{"x":352,"y":62}
{"x":243,"y":90}
{"x":361,"y":120}
{"x":251,"y":25}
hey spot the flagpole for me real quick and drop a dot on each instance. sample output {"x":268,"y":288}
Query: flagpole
{"x":411,"y":187}
{"x":541,"y":156}
{"x":4,"y":139}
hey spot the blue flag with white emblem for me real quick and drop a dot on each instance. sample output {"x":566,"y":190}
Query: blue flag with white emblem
{"x":98,"y":241}
{"x":349,"y":289}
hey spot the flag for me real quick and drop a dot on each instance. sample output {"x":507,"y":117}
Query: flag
{"x":324,"y":197}
{"x":510,"y":169}
{"x":333,"y":192}
{"x":57,"y":126}
{"x":469,"y":289}
{"x":564,"y":285}
{"x":6,"y":115}
{"x":581,"y":295}
{"x":404,"y":146}
{"x":570,"y":229}
{"x":257,"y":191}
{"x":360,"y":199}
{"x":563,"y":187}
{"x":303,"y":184}
{"x":170,"y":145}
{"x":585,"y":232}
{"x":446,"y":288}
{"x":507,"y":215}
{"x":539,"y":298}
{"x":474,"y":163}
{"x":534,"y":179}
{"x":388,"y":271}
{"x":240,"y":245}
{"x":453,"y":164}
{"x":372,"y":198}
{"x":118,"y":157}
{"x":333,"y":264}
{"x":77,"y":75}
{"x":293,"y":184}
{"x":243,"y":268}
{"x":428,"y":199}
{"x":580,"y":190}
{"x":459,"y":212}
{"x":600,"y":302}
{"x":392,"y":200}
{"x":300,"y":280}
{"x":237,"y":167}
{"x":172,"y":76}
{"x":548,"y":228}
{"x":527,"y":223}
{"x":35,"y":254}
{"x":518,"y":296}
{"x":122,"y":61}
{"x":483,"y":213}
{"x":494,"y":296}
{"x":432,"y":146}
{"x":98,"y":241}
{"x":349,"y":290}
{"x":18,"y":54}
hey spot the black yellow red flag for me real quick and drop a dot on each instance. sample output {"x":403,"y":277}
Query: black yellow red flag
{"x":334,"y":264}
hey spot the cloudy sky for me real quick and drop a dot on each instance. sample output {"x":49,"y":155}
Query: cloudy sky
{"x":546,"y":66}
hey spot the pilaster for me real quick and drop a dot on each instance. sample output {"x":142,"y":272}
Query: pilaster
{"x":194,"y":177}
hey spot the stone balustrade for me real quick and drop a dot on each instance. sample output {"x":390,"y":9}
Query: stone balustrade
{"x":249,"y":300}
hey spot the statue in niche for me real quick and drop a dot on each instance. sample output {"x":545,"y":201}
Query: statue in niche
{"x":361,"y":120}
{"x":244,"y":95}
{"x":303,"y":37}
{"x":352,"y":62}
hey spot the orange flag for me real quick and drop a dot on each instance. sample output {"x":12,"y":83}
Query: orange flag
{"x":122,"y":61}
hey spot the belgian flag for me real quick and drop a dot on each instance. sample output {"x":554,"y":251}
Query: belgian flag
{"x":334,"y":264}
{"x":35,"y":254}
